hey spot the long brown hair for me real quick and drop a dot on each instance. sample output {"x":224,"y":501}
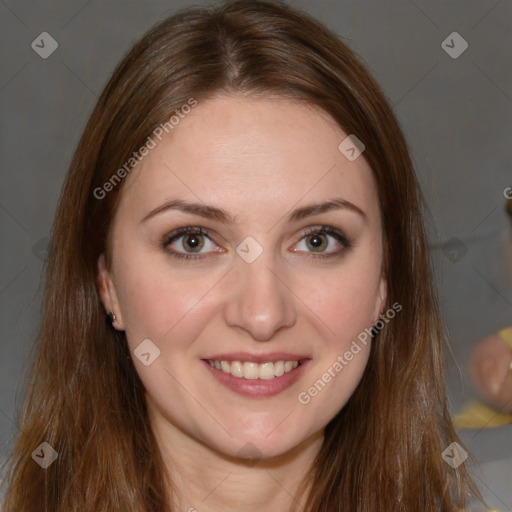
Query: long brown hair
{"x":382,"y":452}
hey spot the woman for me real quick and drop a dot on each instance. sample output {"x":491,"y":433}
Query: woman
{"x":243,"y":207}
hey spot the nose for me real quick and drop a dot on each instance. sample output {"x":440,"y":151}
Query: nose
{"x":261,"y":303}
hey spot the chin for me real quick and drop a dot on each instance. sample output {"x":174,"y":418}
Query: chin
{"x":249,"y":448}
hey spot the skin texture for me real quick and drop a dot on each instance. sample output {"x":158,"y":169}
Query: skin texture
{"x":258,"y":159}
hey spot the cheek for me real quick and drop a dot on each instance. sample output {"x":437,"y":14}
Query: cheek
{"x":345,"y":300}
{"x":160,"y":305}
{"x":156,"y":304}
{"x":343,"y":304}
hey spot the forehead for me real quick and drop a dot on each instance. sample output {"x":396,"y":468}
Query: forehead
{"x":250,"y":155}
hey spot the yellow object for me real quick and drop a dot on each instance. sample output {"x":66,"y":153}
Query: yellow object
{"x":506,"y":334}
{"x":477,"y":414}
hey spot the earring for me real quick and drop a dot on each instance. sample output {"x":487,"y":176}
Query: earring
{"x":111,"y":318}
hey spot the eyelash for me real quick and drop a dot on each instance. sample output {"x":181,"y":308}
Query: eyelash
{"x":338,"y":235}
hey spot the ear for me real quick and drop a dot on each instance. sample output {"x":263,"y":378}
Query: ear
{"x":108,"y":293}
{"x":382,"y":295}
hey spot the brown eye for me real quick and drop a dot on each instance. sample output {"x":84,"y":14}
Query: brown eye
{"x":193,"y":242}
{"x":189,"y":243}
{"x":317,"y":242}
{"x":323,"y":242}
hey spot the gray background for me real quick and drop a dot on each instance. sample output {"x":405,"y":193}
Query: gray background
{"x":456,"y":114}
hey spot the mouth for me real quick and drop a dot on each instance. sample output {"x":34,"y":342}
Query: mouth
{"x":256,"y":379}
{"x":252,"y":371}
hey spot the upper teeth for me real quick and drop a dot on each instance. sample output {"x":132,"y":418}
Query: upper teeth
{"x":253,"y":371}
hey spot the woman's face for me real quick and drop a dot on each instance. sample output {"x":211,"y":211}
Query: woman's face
{"x":281,"y":265}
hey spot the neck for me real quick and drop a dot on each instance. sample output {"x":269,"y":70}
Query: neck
{"x":204,"y":480}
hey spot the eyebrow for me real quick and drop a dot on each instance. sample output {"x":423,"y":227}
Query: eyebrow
{"x":219,"y":215}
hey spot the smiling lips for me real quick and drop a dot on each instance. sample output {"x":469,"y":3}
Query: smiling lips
{"x":252,"y":371}
{"x":257,"y":376}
